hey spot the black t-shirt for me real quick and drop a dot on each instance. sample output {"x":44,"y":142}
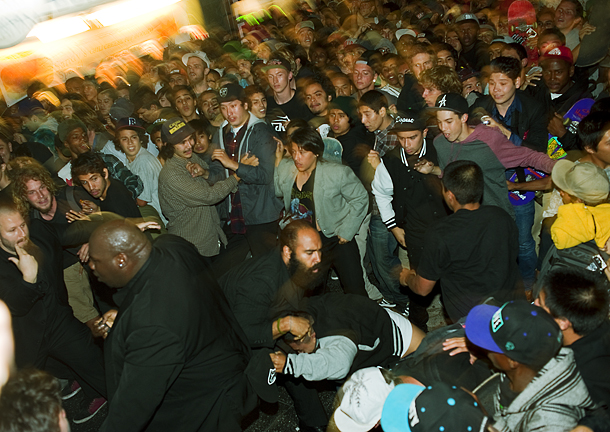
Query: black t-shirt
{"x":356,"y":137}
{"x":120,"y":201}
{"x":474,"y":255}
{"x":293,"y":109}
{"x":301,"y":201}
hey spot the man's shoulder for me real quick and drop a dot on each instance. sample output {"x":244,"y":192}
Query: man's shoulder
{"x":269,"y":266}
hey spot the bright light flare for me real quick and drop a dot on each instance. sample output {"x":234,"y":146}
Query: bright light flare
{"x":127,"y":10}
{"x":58,"y":28}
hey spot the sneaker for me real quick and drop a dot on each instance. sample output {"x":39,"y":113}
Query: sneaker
{"x":86,"y":414}
{"x":386,"y":304}
{"x":334,"y":276}
{"x":70,"y":390}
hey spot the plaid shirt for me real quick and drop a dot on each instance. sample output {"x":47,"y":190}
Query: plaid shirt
{"x":236,"y":215}
{"x":188,"y":203}
{"x":385,"y":141}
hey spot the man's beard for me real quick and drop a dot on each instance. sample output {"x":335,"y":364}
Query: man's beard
{"x":302,"y":276}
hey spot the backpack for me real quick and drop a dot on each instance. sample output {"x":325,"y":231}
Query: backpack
{"x":585,"y":255}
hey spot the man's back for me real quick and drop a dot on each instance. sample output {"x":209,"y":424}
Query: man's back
{"x":175,"y":355}
{"x":259,"y":291}
{"x":474,"y":255}
{"x":592,"y":355}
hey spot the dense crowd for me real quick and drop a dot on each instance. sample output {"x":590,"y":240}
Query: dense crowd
{"x":168,"y":236}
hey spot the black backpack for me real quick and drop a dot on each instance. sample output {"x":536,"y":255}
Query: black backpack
{"x":585,"y":255}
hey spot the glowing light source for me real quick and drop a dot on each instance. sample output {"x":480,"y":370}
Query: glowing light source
{"x":59,"y":28}
{"x":126,"y":10}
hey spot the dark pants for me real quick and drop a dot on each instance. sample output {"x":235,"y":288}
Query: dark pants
{"x":345,"y":258}
{"x":70,"y":342}
{"x":258,"y":240}
{"x":307,"y":404}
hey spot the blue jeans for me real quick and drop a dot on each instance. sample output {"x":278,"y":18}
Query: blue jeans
{"x":381,"y":247}
{"x":527,"y":246}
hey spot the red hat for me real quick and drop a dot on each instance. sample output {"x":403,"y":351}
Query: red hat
{"x":559,"y":53}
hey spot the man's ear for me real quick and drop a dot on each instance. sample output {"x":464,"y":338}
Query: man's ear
{"x":120,"y":260}
{"x":464,"y":118}
{"x":286,"y":252}
{"x":564,"y":324}
{"x":571,"y":71}
{"x":383,"y":112}
{"x":512,"y":364}
{"x":106,"y":174}
{"x":518,"y":82}
{"x":245,"y":105}
{"x":425,"y":132}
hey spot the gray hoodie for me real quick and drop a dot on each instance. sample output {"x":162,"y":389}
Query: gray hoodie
{"x":553,"y":402}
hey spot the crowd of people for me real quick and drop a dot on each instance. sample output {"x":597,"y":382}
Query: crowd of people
{"x":168,"y":237}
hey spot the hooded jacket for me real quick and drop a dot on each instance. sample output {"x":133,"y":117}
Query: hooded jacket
{"x":553,"y":401}
{"x":256,"y":187}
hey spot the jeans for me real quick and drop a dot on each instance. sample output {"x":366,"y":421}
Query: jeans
{"x":527,"y":245}
{"x":386,"y":265}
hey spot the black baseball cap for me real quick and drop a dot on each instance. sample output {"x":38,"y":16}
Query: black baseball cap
{"x":408,"y":122}
{"x":437,"y":407}
{"x":176,"y":130}
{"x":451,"y":102}
{"x":230,"y":92}
{"x":128,"y":123}
{"x":28,"y":106}
{"x":261,"y":375}
{"x":523,"y":332}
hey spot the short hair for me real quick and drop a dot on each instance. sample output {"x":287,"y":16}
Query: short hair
{"x":145,"y":100}
{"x":250,"y":91}
{"x":30,"y":402}
{"x":509,"y":66}
{"x":172,"y":95}
{"x":9,"y":205}
{"x":325,"y":83}
{"x":110,"y":92}
{"x":520,"y":49}
{"x":577,"y":295}
{"x":73,"y":97}
{"x":465,"y":180}
{"x":20,"y":176}
{"x":580,"y":11}
{"x":373,"y":99}
{"x":308,"y":139}
{"x":201,"y":125}
{"x":290,"y":234}
{"x":443,"y":78}
{"x":443,"y":46}
{"x":289,"y":337}
{"x":553,"y":31}
{"x":592,"y":129}
{"x":141,"y":134}
{"x":295,"y":124}
{"x":87,"y":163}
{"x":420,"y":48}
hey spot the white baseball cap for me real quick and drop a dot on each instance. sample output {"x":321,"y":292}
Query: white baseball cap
{"x":363,"y":396}
{"x":400,"y":33}
{"x":199,"y":54}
